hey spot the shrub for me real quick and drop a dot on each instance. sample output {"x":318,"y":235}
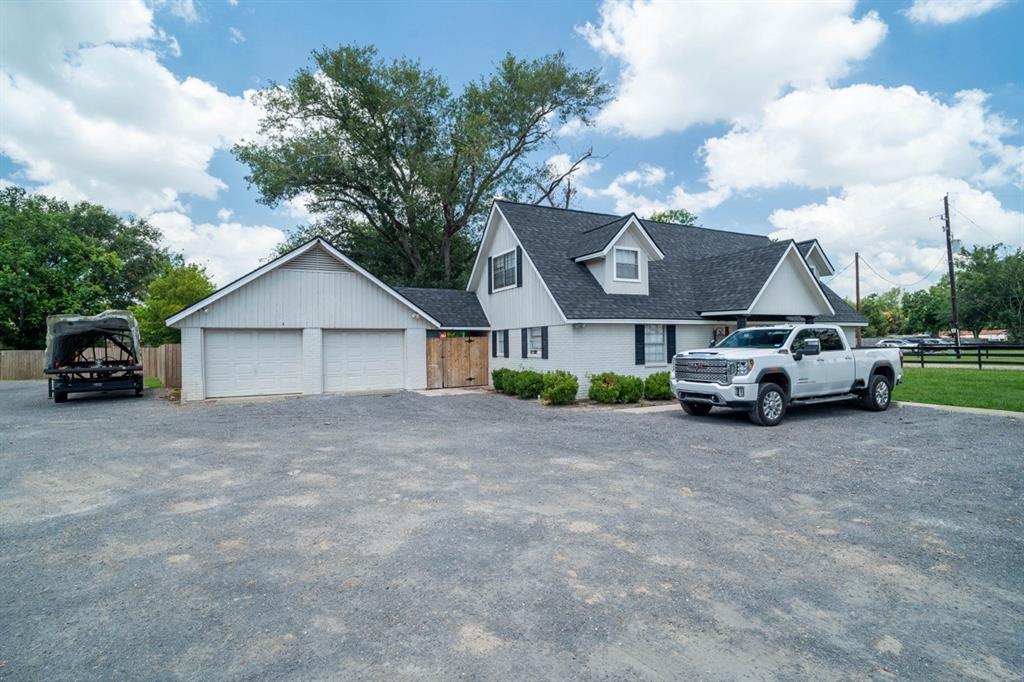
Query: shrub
{"x":656,"y":387}
{"x":604,"y":388}
{"x":501,"y":378}
{"x":560,"y":388}
{"x":631,"y":389}
{"x":528,"y":384}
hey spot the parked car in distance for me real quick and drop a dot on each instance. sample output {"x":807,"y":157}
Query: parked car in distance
{"x":896,"y":343}
{"x":935,"y":345}
{"x":763,"y":370}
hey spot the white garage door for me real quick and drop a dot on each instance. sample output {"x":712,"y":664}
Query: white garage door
{"x":253,"y":362}
{"x":363,"y":361}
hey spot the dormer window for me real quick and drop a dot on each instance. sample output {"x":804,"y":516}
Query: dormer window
{"x":504,"y":270}
{"x":627,"y":264}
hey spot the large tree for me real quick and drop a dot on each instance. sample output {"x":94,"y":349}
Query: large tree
{"x":58,"y":258}
{"x":179,"y":286}
{"x":389,"y":148}
{"x":679,"y":216}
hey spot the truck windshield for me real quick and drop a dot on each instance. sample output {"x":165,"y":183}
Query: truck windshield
{"x":755,"y":338}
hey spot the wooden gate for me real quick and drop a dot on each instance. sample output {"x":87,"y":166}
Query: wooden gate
{"x":454,"y":361}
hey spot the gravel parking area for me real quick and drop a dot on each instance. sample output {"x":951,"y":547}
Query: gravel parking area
{"x":413,"y":537}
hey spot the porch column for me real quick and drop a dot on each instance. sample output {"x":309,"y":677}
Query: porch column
{"x":741,"y":322}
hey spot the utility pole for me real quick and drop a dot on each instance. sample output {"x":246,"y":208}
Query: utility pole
{"x":856,"y":276}
{"x":952,"y":273}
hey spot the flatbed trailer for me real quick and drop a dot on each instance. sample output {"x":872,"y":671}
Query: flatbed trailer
{"x":88,"y":354}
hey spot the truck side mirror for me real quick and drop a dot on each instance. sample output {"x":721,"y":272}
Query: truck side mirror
{"x":811,"y":347}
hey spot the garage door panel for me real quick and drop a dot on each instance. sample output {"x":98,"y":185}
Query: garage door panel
{"x":363,"y":360}
{"x":253,"y":362}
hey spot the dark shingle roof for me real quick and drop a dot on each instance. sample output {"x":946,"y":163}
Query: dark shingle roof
{"x":596,"y":238}
{"x":450,"y":307}
{"x":701,"y":265}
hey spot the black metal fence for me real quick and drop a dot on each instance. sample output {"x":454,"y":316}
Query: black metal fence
{"x":976,"y":355}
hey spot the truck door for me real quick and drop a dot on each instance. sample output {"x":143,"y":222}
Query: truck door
{"x":810,"y":373}
{"x":838,"y":360}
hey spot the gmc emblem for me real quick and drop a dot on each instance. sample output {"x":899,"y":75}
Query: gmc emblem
{"x":695,"y":365}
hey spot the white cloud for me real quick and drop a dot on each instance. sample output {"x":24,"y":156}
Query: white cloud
{"x":224,"y":214}
{"x":892,"y":225}
{"x":90,"y":112}
{"x":864,"y":133}
{"x":233,"y":3}
{"x":183,"y":9}
{"x":949,"y":11}
{"x":227,"y":249}
{"x":235,"y":35}
{"x":683,"y":63}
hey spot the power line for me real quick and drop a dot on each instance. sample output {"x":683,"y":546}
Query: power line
{"x":840,"y":270}
{"x":900,"y":284}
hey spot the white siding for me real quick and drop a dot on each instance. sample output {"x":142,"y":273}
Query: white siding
{"x":791,"y":291}
{"x":851,"y":335}
{"x":529,"y":304}
{"x":596,"y":348}
{"x":298,"y":299}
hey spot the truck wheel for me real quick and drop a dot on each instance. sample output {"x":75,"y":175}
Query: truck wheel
{"x":696,"y":409}
{"x":60,"y":397}
{"x":879,"y":394}
{"x":770,"y":407}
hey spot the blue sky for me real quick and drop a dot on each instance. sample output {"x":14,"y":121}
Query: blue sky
{"x":206,"y":210}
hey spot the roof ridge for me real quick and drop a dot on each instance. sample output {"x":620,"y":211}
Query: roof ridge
{"x":555,"y":208}
{"x":610,"y":222}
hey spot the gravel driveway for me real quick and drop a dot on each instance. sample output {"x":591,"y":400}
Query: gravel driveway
{"x":414,"y":537}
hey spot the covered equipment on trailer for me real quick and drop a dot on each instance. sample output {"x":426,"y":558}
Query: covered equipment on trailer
{"x":88,"y":353}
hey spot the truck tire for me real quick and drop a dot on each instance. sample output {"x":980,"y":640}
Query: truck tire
{"x":696,"y":409}
{"x":770,"y":407}
{"x":60,"y":397}
{"x":878,"y":397}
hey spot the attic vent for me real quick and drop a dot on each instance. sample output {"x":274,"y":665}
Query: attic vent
{"x":316,"y":260}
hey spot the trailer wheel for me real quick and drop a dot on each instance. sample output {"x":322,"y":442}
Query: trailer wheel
{"x":60,"y":397}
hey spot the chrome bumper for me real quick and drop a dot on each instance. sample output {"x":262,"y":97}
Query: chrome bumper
{"x":732,"y":395}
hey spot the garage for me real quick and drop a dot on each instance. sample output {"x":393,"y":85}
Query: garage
{"x":313,"y":321}
{"x":362,"y":360}
{"x":253,"y":362}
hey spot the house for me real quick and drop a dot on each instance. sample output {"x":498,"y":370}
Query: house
{"x":592,"y":292}
{"x":550,"y":289}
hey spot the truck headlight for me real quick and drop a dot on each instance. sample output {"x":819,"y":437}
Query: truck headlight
{"x":739,"y":368}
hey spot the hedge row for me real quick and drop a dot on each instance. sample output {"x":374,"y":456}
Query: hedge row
{"x":557,"y":388}
{"x":609,"y":387}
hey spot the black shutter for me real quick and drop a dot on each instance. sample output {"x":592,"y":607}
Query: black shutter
{"x":639,"y":344}
{"x":490,"y":277}
{"x":519,"y":266}
{"x":524,"y":330}
{"x":494,"y":344}
{"x":670,"y":341}
{"x":505,"y":332}
{"x":544,"y":343}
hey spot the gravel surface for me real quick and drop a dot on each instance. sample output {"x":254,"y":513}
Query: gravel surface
{"x":477,"y":536}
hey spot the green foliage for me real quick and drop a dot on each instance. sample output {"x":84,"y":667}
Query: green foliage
{"x":884,"y":313}
{"x":503,"y":380}
{"x":560,"y":387}
{"x":656,"y":387}
{"x":631,"y":389}
{"x":928,"y":311}
{"x":609,"y":387}
{"x":179,"y":286}
{"x":679,"y":216}
{"x":528,"y":384}
{"x":402,"y":166}
{"x":57,"y":258}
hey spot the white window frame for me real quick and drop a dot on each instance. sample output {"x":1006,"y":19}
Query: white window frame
{"x":663,"y":355}
{"x":615,"y":264}
{"x":494,"y":271}
{"x":531,"y":351}
{"x":499,"y":343}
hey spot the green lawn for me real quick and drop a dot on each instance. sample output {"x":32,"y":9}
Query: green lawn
{"x":993,"y":389}
{"x":152,"y":382}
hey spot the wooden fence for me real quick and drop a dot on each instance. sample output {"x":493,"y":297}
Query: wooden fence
{"x":163,"y":362}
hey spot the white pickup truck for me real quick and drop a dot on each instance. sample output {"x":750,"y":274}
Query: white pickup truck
{"x":765,"y":369}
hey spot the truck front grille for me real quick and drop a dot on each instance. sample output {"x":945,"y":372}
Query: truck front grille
{"x":707,"y":370}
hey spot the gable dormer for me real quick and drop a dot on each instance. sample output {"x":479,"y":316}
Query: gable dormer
{"x":617,"y":255}
{"x":816,"y":259}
